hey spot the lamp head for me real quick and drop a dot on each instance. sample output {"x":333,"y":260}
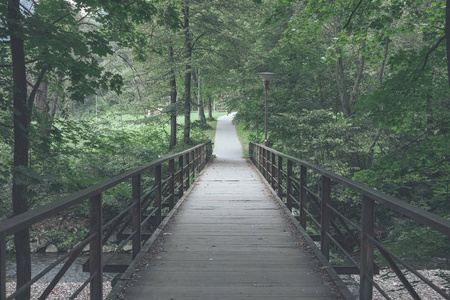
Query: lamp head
{"x":265,"y":76}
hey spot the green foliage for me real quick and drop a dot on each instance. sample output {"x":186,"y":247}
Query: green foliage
{"x":422,"y":246}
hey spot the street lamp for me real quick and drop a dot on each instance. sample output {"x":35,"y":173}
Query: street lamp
{"x":265,"y":76}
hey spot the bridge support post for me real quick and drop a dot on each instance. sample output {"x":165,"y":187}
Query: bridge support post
{"x":303,"y":182}
{"x":366,"y":263}
{"x":171,"y":183}
{"x":158,"y":195}
{"x":136,"y":217}
{"x":325,"y":217}
{"x":95,"y":247}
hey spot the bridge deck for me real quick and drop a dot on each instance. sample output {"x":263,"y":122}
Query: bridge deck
{"x":230,"y":240}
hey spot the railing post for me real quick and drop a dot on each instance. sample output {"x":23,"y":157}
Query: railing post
{"x":194,"y":162}
{"x":171,"y":183}
{"x":188,"y":170}
{"x":289,"y":185}
{"x":136,"y":217}
{"x":259,"y":158}
{"x":272,"y":170}
{"x":303,"y":196}
{"x":181,"y":176}
{"x":262,"y":160}
{"x":366,"y":260}
{"x":197,"y":159}
{"x":158,"y":196}
{"x":95,"y":247}
{"x":280,"y":177}
{"x":267,"y":160}
{"x":325,"y":217}
{"x":2,"y":269}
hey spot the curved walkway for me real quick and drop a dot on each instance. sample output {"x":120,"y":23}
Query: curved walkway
{"x":230,"y":240}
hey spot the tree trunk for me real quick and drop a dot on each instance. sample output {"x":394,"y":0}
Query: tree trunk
{"x":187,"y":77}
{"x":354,"y":94}
{"x":201,"y":111}
{"x":173,"y":101}
{"x":342,"y":86}
{"x":447,"y":37}
{"x":383,"y":64}
{"x":200,"y":107}
{"x":21,"y":120}
{"x":210,"y":115}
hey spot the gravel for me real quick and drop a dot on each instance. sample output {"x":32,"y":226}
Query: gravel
{"x":62,"y":291}
{"x":386,"y":279}
{"x":392,"y":286}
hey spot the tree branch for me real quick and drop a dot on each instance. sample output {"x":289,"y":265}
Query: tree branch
{"x":351,"y":15}
{"x":196,"y":40}
{"x":425,"y":60}
{"x":30,"y":99}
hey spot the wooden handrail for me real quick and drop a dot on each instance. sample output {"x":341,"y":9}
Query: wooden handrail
{"x":434,"y":221}
{"x":191,"y":160}
{"x":270,"y":162}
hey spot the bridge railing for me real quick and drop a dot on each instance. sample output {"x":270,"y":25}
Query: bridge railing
{"x":166,"y":180}
{"x":317,"y":213}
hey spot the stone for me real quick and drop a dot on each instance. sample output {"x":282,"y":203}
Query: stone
{"x":51,"y":248}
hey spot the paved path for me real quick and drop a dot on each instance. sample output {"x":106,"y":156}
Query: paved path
{"x":230,"y":240}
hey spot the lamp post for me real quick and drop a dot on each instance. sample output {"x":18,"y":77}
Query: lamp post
{"x":265,"y":76}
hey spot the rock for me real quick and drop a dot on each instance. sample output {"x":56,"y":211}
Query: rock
{"x":108,"y":248}
{"x":127,"y":247}
{"x":51,"y":248}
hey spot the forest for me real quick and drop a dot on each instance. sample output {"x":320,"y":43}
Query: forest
{"x":92,"y":88}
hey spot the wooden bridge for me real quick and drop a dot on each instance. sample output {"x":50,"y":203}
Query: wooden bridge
{"x":262,"y":228}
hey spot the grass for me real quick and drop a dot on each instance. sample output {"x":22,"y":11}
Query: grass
{"x":209,"y":133}
{"x":244,"y":138}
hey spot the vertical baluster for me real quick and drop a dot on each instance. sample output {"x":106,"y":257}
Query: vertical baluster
{"x":262,"y":158}
{"x":136,"y":215}
{"x":325,"y":217}
{"x":95,"y":247}
{"x":263,"y":161}
{"x":158,"y":195}
{"x":366,"y":260}
{"x":273,"y":171}
{"x":180,"y":176}
{"x":201,"y":157}
{"x":196,"y":152}
{"x":289,"y":185}
{"x":280,"y":177}
{"x":188,"y":170}
{"x":267,"y":160}
{"x":258,"y":152}
{"x":2,"y":269}
{"x":303,"y":196}
{"x":171,"y":183}
{"x":194,"y":162}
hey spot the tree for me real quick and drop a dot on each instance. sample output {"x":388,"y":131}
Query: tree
{"x":46,"y":40}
